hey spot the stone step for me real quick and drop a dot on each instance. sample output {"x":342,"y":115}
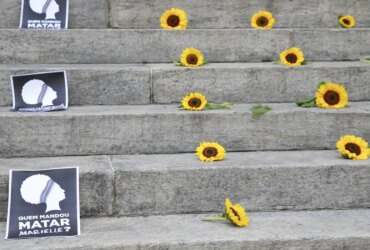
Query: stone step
{"x":202,"y":14}
{"x":180,"y":183}
{"x":90,"y":84}
{"x":96,"y":181}
{"x":150,"y":129}
{"x":348,"y":230}
{"x":237,"y":13}
{"x":120,"y":84}
{"x":258,"y":82}
{"x":158,"y":46}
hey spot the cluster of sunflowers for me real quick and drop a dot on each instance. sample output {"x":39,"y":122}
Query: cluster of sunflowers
{"x":328,"y":95}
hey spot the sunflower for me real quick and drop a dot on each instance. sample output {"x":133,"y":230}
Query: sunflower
{"x":236,"y":214}
{"x":194,"y":101}
{"x":353,"y":147}
{"x":347,"y":21}
{"x":210,"y":151}
{"x":263,"y":20}
{"x":192,"y":57}
{"x":292,"y":57}
{"x":331,"y":95}
{"x":174,"y":19}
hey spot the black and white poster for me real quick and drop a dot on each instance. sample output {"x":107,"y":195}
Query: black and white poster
{"x":40,"y":92}
{"x":44,"y":14}
{"x":43,"y":203}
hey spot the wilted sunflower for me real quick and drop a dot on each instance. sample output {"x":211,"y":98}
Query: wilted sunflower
{"x":331,"y":95}
{"x":347,"y":21}
{"x":236,"y":214}
{"x":263,"y":20}
{"x":210,"y":151}
{"x":174,"y":19}
{"x":192,"y":57}
{"x":353,"y":147}
{"x":194,"y":101}
{"x":292,"y":57}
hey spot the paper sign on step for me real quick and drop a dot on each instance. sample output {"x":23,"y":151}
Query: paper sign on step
{"x":44,"y":14}
{"x":43,"y":203}
{"x":40,"y":92}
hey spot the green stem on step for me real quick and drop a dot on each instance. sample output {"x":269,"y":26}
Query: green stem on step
{"x":215,"y":218}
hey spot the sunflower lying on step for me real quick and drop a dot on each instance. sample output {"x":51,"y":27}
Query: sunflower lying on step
{"x":263,"y":20}
{"x":174,"y":19}
{"x":210,"y":151}
{"x":292,"y":57}
{"x":197,"y":102}
{"x":328,"y":95}
{"x":234,"y":213}
{"x":353,"y":147}
{"x":331,"y":95}
{"x":347,"y":21}
{"x":194,"y":101}
{"x":192,"y":57}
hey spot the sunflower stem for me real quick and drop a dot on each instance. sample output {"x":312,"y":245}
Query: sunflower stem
{"x":308,"y":103}
{"x":215,"y":218}
{"x":225,"y":105}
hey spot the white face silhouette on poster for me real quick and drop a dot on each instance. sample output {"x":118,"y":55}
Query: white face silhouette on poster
{"x":48,"y":7}
{"x":36,"y":91}
{"x":41,"y":189}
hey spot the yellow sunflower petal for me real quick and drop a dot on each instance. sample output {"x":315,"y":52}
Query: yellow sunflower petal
{"x":331,"y":96}
{"x":263,"y":20}
{"x":353,"y":147}
{"x":347,"y":21}
{"x":210,"y":151}
{"x":292,"y":57}
{"x":228,"y":204}
{"x":194,"y":101}
{"x":174,"y":19}
{"x":238,"y":216}
{"x":192,"y":57}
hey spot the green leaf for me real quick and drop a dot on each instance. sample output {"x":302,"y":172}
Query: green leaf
{"x":259,"y":110}
{"x":177,"y":63}
{"x":308,"y":103}
{"x":212,"y":106}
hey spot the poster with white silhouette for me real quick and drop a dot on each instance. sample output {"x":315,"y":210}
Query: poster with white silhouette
{"x":44,"y":14}
{"x":40,"y":92}
{"x":43,"y":203}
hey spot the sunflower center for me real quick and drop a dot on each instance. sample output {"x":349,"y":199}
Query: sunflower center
{"x":331,"y":97}
{"x":346,"y":21}
{"x":173,"y":21}
{"x":291,"y":58}
{"x":235,"y":213}
{"x":210,"y":152}
{"x":195,"y":102}
{"x":262,"y":21}
{"x":353,"y":148}
{"x":192,"y":59}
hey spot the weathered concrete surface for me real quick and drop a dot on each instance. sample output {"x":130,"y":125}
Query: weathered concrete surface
{"x":235,"y":82}
{"x":333,"y":44}
{"x":324,"y":230}
{"x":90,"y":84}
{"x":81,"y":15}
{"x":237,"y":13}
{"x":258,"y":82}
{"x":262,"y":181}
{"x":92,"y":130}
{"x":96,"y":181}
{"x":152,"y":46}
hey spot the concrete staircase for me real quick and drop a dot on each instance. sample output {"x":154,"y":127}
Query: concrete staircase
{"x":141,"y":186}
